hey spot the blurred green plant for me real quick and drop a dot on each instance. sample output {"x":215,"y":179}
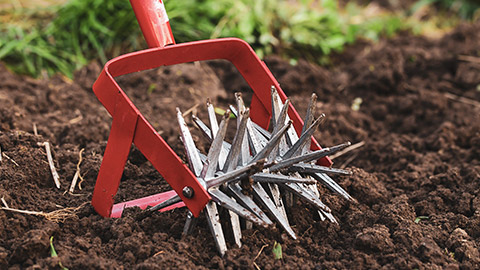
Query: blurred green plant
{"x":466,"y":9}
{"x":83,"y":30}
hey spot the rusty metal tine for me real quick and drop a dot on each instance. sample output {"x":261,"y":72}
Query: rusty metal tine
{"x":309,"y":157}
{"x":240,"y":103}
{"x":245,"y":151}
{"x":204,"y":128}
{"x":280,"y":178}
{"x":232,"y":159}
{"x":330,"y":217}
{"x":207,"y":133}
{"x":275,"y":102}
{"x":244,"y":158}
{"x":262,"y":131}
{"x":210,"y":209}
{"x":313,"y":168}
{"x":262,"y":197}
{"x":307,"y":195}
{"x":214,"y":152}
{"x":189,"y":224}
{"x":291,"y":134}
{"x":332,"y":185}
{"x":234,"y":220}
{"x":225,"y":201}
{"x":314,"y":190}
{"x":282,"y":115}
{"x":253,"y":140}
{"x":267,"y":135}
{"x":310,"y":115}
{"x":192,"y":153}
{"x":304,"y":138}
{"x":236,"y":229}
{"x":273,"y":141}
{"x":243,"y":171}
{"x":277,"y":199}
{"x":213,"y":220}
{"x":235,"y":191}
{"x":282,"y":147}
{"x":233,"y":110}
{"x":304,"y":158}
{"x":212,"y":117}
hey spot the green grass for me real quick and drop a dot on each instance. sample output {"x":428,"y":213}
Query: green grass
{"x":62,"y":39}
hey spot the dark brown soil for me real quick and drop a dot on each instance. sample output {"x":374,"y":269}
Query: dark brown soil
{"x":417,"y":179}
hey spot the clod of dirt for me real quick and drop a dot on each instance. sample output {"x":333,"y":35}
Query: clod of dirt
{"x":464,"y":249}
{"x":376,"y":239}
{"x":34,"y":244}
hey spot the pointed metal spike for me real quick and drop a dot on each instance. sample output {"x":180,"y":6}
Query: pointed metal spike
{"x":262,"y":197}
{"x":312,"y":169}
{"x":310,"y":115}
{"x":236,"y":191}
{"x":262,"y":131}
{"x":302,"y":141}
{"x":253,"y":138}
{"x":282,"y":115}
{"x":223,"y":200}
{"x":233,"y":110}
{"x":204,"y":128}
{"x":339,"y":147}
{"x":212,"y":117}
{"x":189,"y":224}
{"x":307,"y":196}
{"x":330,"y":217}
{"x":315,"y":192}
{"x":308,"y":157}
{"x":213,"y":221}
{"x":277,"y":199}
{"x":236,"y":229}
{"x":240,"y":103}
{"x":281,"y":147}
{"x":273,"y":141}
{"x":245,"y":151}
{"x":207,"y":133}
{"x":214,"y":152}
{"x":236,"y":174}
{"x":192,"y":152}
{"x":304,"y":158}
{"x":280,"y":178}
{"x":291,"y":134}
{"x":275,"y":102}
{"x":232,"y":158}
{"x":332,"y":185}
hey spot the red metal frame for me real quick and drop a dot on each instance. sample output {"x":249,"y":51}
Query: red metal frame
{"x":130,"y":126}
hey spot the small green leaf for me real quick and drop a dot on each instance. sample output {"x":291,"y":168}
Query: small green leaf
{"x":151,"y":88}
{"x":221,"y":111}
{"x":277,"y":251}
{"x":52,"y":249}
{"x":53,"y":253}
{"x":417,"y":220}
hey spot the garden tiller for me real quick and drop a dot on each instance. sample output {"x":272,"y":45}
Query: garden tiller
{"x":251,"y":177}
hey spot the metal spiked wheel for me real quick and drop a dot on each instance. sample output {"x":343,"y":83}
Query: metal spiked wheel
{"x":247,"y":176}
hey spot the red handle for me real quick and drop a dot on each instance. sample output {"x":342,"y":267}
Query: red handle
{"x":153,"y":20}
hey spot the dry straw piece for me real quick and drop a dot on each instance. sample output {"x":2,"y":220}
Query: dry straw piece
{"x":56,"y":216}
{"x":55,"y":176}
